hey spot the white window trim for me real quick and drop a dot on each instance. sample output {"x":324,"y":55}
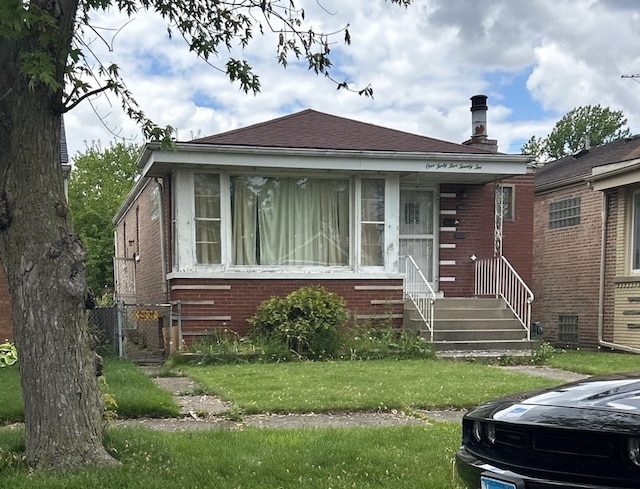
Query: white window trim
{"x":185,"y":253}
{"x":513,"y":202}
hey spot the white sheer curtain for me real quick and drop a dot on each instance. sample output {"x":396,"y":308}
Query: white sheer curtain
{"x":289,"y":221}
{"x":207,"y":218}
{"x":372,"y":226}
{"x":244,"y":205}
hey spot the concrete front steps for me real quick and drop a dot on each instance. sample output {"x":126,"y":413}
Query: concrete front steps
{"x":471,"y":325}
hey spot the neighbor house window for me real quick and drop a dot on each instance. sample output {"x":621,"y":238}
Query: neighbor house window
{"x":290,"y":221}
{"x":155,"y":204}
{"x":635,"y":232}
{"x":564,"y":213}
{"x":507,"y":202}
{"x":568,"y":329}
{"x":372,"y":222}
{"x":207,"y":218}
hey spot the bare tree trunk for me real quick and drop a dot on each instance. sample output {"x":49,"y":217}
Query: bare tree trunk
{"x":43,"y":261}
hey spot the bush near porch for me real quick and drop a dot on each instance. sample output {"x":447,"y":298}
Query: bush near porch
{"x":310,"y":323}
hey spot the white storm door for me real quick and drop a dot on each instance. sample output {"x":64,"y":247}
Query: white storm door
{"x":417,"y":228}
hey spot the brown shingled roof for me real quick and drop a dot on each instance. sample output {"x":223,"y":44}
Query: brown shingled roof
{"x":316,"y":130}
{"x":575,"y":168}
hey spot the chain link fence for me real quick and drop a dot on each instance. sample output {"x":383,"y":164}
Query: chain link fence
{"x":140,"y":332}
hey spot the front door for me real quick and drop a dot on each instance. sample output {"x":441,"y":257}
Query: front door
{"x":418,"y":228}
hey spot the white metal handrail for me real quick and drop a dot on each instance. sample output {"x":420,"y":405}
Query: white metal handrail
{"x":496,"y":277}
{"x":418,"y":289}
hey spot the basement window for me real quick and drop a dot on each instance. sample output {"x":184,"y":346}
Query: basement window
{"x":568,"y":329}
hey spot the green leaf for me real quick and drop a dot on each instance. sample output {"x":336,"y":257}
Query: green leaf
{"x":8,"y":354}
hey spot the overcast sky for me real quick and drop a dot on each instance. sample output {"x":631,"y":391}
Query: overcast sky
{"x":534,"y":59}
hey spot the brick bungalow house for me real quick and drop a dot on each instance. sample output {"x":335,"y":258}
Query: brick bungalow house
{"x":586,"y":259}
{"x":221,"y":223}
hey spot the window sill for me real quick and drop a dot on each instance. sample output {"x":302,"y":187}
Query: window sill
{"x":316,"y":274}
{"x":627,"y":280}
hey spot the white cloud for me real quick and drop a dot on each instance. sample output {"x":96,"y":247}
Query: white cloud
{"x":423,"y":63}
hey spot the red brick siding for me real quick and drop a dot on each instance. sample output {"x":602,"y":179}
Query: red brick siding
{"x":517,"y":235}
{"x":138,"y":237}
{"x":474,"y":235}
{"x":566,"y":265}
{"x":239,"y":299}
{"x":6,"y":324}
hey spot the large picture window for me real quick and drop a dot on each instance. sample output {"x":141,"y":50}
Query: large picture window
{"x":289,"y":221}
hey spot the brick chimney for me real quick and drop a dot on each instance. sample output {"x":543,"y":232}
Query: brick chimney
{"x":479,"y":137}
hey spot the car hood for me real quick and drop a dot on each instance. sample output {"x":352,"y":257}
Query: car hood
{"x":607,"y":403}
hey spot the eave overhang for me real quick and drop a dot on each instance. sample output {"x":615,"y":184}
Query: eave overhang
{"x":427,"y":168}
{"x":614,"y":175}
{"x":456,"y":167}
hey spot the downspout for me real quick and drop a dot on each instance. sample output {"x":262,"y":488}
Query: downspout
{"x":603,"y":243}
{"x":163,"y":260}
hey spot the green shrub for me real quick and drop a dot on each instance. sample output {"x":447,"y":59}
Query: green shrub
{"x":227,"y":347}
{"x":307,"y":321}
{"x":543,"y":353}
{"x":366,"y":342}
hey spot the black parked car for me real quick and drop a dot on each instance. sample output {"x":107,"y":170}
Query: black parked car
{"x":580,"y":435}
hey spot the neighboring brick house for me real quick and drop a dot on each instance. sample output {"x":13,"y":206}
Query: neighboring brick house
{"x":618,"y":183}
{"x":6,"y":322}
{"x":221,"y":223}
{"x":584,"y":273}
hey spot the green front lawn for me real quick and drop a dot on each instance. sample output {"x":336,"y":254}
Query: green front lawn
{"x":594,"y":362}
{"x":136,"y":394}
{"x":390,"y":457}
{"x":356,"y":385}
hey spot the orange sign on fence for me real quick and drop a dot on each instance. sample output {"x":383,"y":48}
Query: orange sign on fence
{"x":146,"y":315}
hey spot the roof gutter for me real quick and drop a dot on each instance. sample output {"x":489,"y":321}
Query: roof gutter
{"x":130,"y":199}
{"x":579,"y":180}
{"x":315,"y":152}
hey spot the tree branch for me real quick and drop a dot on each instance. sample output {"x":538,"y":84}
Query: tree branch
{"x":67,"y":108}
